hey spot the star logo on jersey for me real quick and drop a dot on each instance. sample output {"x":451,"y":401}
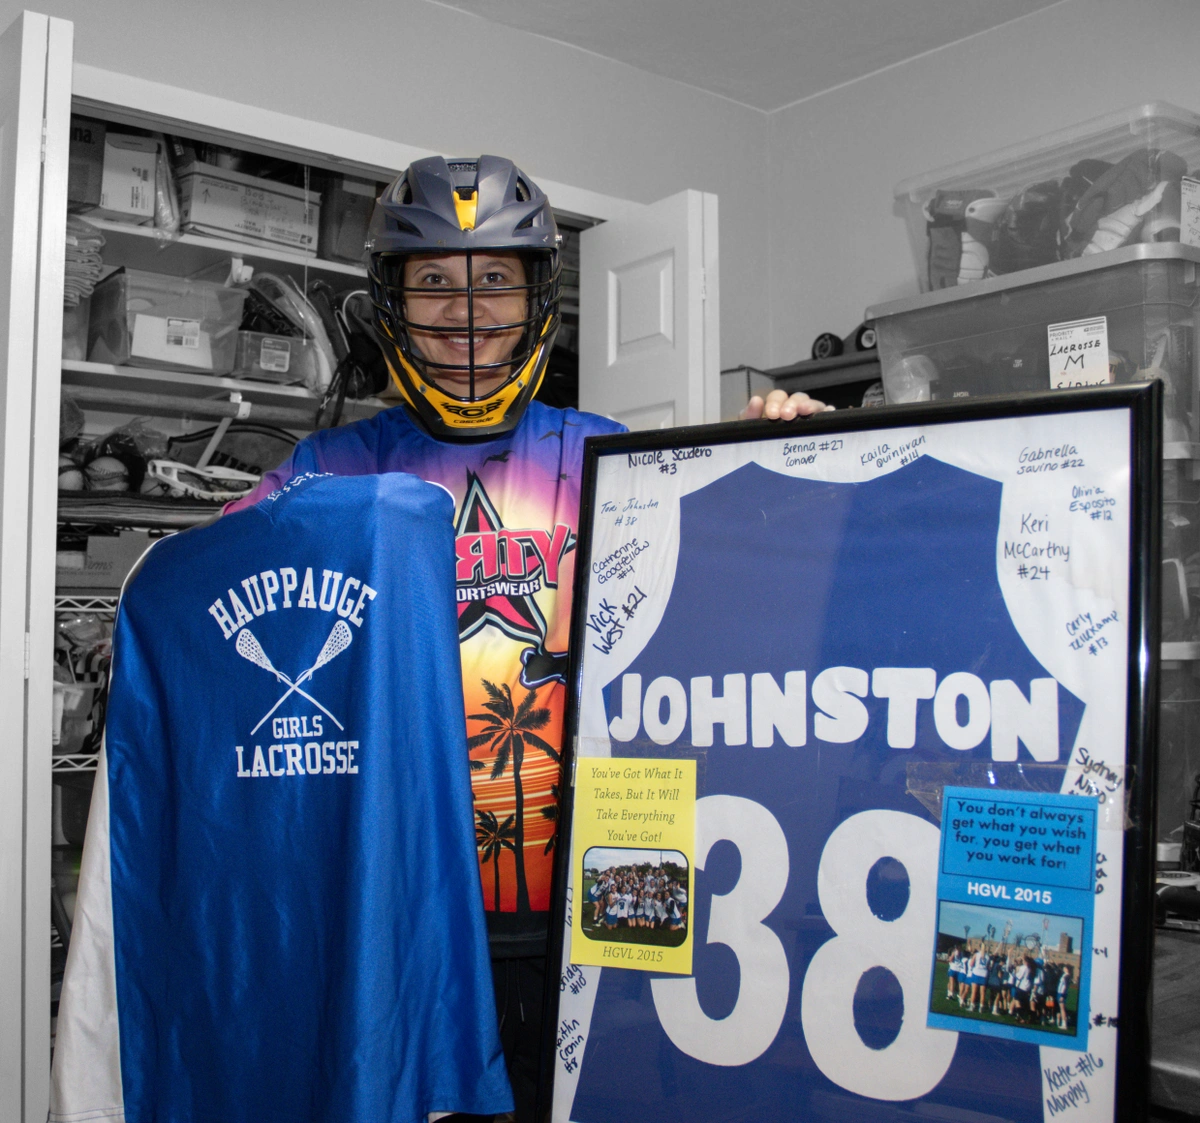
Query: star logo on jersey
{"x":498,"y":571}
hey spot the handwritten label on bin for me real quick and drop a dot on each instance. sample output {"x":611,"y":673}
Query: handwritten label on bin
{"x":1078,"y":353}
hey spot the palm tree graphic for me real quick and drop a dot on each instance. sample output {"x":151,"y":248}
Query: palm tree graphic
{"x":508,"y":728}
{"x":550,"y":811}
{"x":493,"y":838}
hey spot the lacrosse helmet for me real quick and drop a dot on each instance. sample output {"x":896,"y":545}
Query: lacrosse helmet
{"x":439,"y":207}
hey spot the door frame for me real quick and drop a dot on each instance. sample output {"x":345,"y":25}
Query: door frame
{"x":30,"y":388}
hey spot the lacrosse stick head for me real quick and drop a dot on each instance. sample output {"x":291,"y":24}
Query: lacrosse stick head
{"x":248,"y":647}
{"x":339,"y":639}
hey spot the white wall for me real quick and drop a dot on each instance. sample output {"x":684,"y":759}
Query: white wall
{"x":837,"y":246}
{"x":806,"y":242}
{"x":417,"y":73}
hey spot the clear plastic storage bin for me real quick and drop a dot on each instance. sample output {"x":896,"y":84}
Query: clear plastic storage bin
{"x":1107,"y":183}
{"x":154,"y":320}
{"x":276,"y":358}
{"x":997,"y":337}
{"x":346,"y":209}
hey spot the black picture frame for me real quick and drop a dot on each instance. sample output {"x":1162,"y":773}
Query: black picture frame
{"x":1143,"y":402}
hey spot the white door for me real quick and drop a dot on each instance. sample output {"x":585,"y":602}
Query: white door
{"x":649,"y":319}
{"x":35,"y":98}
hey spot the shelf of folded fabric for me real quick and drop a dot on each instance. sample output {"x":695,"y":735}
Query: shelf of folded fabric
{"x":185,"y":255}
{"x":125,"y":510}
{"x":170,"y":393}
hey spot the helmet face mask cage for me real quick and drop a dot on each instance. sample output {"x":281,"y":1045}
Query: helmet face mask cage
{"x":401,"y":311}
{"x":467,"y":355}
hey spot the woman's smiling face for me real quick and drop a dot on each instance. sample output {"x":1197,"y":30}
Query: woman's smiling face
{"x":441,"y":302}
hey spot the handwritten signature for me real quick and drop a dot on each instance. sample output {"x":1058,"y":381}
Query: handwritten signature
{"x":1068,"y":1083}
{"x":610,"y":620}
{"x":1096,"y":778}
{"x":570,"y":1040}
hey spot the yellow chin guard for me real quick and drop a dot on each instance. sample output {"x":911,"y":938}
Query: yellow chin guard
{"x":468,"y":417}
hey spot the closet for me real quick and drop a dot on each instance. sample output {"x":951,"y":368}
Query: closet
{"x":59,"y":391}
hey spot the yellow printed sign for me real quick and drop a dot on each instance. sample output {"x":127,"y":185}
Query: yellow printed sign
{"x":634,"y":834}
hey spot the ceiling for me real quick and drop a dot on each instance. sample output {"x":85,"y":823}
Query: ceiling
{"x":762,"y":53}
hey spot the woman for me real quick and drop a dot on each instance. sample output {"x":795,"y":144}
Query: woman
{"x":680,"y":895}
{"x":952,"y":974}
{"x":674,"y":918}
{"x":1064,"y":985}
{"x":979,"y":975}
{"x":1023,"y":983}
{"x":1037,"y":991}
{"x":596,"y":897}
{"x":1050,"y":999}
{"x":623,"y":906}
{"x":464,"y":272}
{"x":611,"y":910}
{"x":995,"y":984}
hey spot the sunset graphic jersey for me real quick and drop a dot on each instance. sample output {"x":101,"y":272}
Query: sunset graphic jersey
{"x":516,"y":516}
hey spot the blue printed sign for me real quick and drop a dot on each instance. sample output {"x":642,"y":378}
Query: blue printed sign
{"x":1016,"y":890}
{"x":1049,"y":841}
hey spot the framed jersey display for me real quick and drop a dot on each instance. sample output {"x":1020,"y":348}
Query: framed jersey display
{"x":860,"y":776}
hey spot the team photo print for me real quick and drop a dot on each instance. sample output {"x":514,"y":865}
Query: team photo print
{"x":635,"y":896}
{"x":1007,"y":967}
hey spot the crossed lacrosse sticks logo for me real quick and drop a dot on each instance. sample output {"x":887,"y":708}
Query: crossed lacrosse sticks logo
{"x":248,"y":647}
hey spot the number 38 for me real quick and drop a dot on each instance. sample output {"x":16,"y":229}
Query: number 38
{"x":917,"y":1059}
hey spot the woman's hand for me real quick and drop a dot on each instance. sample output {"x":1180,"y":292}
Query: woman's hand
{"x":779,"y":406}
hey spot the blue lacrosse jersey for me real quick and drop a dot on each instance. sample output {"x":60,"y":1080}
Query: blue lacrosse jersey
{"x":897,"y":571}
{"x":280,"y":917}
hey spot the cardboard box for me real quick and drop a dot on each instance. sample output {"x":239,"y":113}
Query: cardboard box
{"x":106,"y":563}
{"x":85,"y":167}
{"x":228,"y":204}
{"x":127,"y":181}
